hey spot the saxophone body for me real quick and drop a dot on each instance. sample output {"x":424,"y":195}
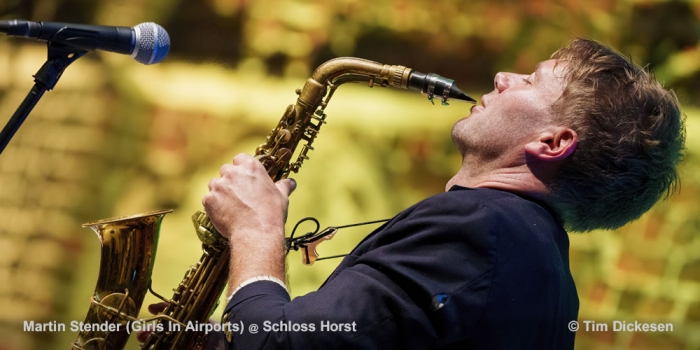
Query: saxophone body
{"x":197,"y":295}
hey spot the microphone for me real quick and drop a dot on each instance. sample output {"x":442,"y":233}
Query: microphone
{"x":147,"y":43}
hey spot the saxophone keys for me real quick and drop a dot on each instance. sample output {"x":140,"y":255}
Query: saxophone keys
{"x":94,"y":343}
{"x":320,"y":116}
{"x":284,"y":136}
{"x":116,"y":304}
{"x":307,"y":148}
{"x":288,"y":116}
{"x":311,"y":132}
{"x":283,"y":155}
{"x":278,"y":162}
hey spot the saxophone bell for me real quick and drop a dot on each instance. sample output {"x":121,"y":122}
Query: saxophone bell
{"x":127,"y":256}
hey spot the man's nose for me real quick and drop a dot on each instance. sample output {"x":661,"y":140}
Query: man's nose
{"x":504,"y":81}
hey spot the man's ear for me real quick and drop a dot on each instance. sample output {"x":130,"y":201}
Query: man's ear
{"x":553,"y":144}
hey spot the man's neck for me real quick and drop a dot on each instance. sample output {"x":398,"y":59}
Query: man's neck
{"x":517,"y":179}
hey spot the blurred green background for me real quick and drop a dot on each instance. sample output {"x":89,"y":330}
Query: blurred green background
{"x":117,"y":138}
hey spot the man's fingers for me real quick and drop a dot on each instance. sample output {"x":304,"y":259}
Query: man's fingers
{"x":141,"y":336}
{"x":241,"y":158}
{"x":157,"y":308}
{"x":286,"y":186}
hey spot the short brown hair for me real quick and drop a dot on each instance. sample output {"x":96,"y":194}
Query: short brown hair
{"x":631,"y":138}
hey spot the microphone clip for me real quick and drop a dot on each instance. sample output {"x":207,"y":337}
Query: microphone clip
{"x":60,"y":56}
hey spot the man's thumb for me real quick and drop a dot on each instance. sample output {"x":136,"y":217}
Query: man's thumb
{"x":286,"y":186}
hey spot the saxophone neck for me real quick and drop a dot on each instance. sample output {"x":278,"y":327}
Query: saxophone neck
{"x":352,"y":69}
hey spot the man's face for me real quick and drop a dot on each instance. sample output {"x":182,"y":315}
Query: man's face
{"x":512,"y":114}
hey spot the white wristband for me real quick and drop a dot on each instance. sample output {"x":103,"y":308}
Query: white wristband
{"x":256,"y":279}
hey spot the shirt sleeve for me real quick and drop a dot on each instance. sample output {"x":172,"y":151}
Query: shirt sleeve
{"x":421,"y":281}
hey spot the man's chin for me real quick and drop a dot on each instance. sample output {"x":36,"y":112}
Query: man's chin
{"x":460,"y":129}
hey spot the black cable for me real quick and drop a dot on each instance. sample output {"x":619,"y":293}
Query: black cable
{"x":295,"y":243}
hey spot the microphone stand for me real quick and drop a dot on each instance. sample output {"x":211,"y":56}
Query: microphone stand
{"x":59,"y":58}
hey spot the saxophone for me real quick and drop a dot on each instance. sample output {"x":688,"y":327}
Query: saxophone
{"x":129,"y":244}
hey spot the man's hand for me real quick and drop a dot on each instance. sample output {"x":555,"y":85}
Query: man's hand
{"x":248,"y":208}
{"x":245,"y":199}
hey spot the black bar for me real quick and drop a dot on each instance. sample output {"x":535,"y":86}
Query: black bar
{"x":20,"y":115}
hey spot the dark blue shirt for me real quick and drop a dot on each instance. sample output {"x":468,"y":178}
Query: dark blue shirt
{"x":464,"y":269}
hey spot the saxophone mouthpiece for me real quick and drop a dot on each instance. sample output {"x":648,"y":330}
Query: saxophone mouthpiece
{"x":433,"y":85}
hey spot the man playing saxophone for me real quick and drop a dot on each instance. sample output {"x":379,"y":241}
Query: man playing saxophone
{"x":587,"y":141}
